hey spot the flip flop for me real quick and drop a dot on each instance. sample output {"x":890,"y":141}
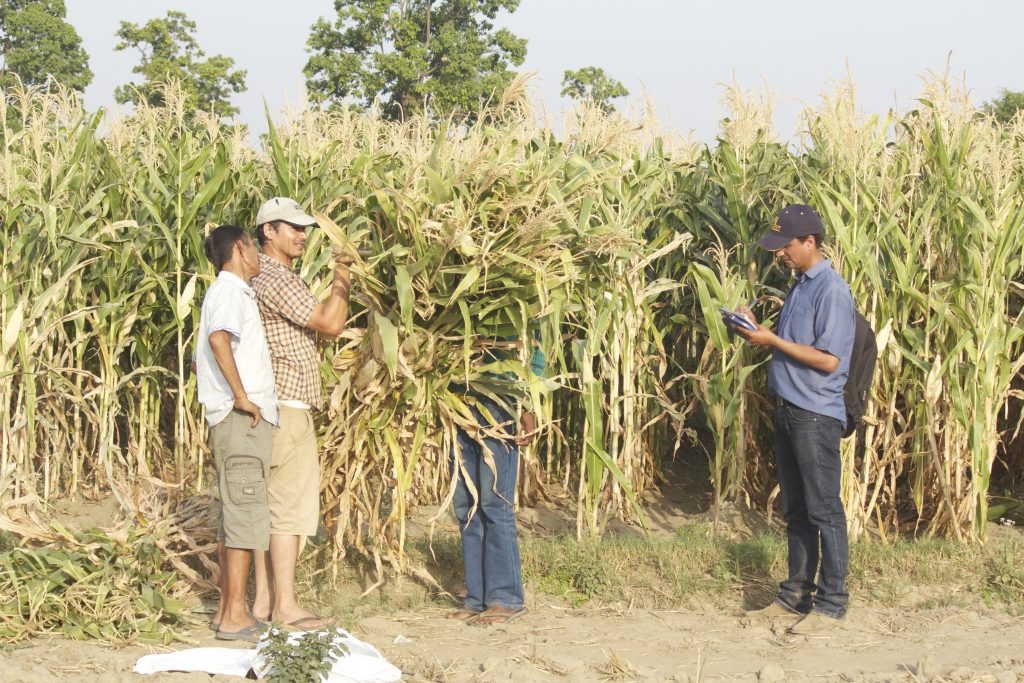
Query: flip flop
{"x":250,"y":634}
{"x":297,"y":624}
{"x":485,"y":619}
{"x":215,"y":625}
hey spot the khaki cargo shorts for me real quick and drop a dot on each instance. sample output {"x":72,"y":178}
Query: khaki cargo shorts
{"x":294,"y":491}
{"x":241,"y":455}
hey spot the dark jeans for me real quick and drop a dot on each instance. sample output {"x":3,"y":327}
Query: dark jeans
{"x":490,"y":549}
{"x":809,"y":469}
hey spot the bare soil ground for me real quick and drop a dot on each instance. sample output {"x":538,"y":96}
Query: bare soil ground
{"x":917,"y":635}
{"x":555,"y":643}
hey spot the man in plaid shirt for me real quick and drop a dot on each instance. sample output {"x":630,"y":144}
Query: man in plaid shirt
{"x":293,"y":319}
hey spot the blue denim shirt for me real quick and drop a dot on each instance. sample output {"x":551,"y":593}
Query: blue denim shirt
{"x":818,"y":312}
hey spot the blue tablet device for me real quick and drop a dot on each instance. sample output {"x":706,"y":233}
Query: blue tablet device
{"x":736,"y":319}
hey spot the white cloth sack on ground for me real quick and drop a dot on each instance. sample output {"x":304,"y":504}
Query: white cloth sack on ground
{"x":230,"y":661}
{"x":362,"y":664}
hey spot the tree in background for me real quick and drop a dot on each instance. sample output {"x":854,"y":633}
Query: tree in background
{"x":435,"y":56}
{"x":593,"y":84}
{"x":38,"y":43}
{"x":169,"y":51}
{"x":1006,"y":106}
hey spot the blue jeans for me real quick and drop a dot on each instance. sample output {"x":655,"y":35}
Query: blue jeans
{"x":809,"y":469}
{"x":490,"y":549}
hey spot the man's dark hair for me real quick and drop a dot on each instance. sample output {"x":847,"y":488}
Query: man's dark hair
{"x":261,"y":234}
{"x":221,"y":242}
{"x":817,"y":239}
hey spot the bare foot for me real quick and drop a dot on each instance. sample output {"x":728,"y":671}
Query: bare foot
{"x":261,"y":611}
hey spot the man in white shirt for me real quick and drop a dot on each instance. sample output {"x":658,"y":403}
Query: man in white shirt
{"x":235,"y":384}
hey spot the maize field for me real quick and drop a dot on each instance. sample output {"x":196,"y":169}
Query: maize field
{"x":609,"y":244}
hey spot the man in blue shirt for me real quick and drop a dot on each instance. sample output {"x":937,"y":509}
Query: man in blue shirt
{"x":811,"y":352}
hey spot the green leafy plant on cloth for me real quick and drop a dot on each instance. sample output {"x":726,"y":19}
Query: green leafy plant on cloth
{"x":301,"y":658}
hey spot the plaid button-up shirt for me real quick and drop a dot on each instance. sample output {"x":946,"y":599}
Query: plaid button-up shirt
{"x":286,"y":305}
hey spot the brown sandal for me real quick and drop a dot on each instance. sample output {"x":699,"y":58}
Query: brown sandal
{"x":489,"y":617}
{"x":464,"y":614}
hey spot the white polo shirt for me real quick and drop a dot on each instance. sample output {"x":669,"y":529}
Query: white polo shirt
{"x":230,"y":305}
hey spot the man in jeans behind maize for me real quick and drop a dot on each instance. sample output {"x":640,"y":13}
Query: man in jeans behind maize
{"x":811,"y":351}
{"x":485,"y":466}
{"x":236,"y":385}
{"x":293,"y":319}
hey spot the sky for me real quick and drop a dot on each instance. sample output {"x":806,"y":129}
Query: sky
{"x":676,"y":53}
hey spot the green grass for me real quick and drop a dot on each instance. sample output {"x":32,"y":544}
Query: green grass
{"x":1005,"y":580}
{"x":687,"y":570}
{"x":692,"y":568}
{"x":654,"y":572}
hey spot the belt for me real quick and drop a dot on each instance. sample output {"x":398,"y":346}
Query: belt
{"x":781,"y":402}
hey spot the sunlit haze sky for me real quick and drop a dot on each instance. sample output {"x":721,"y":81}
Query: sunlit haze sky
{"x":677,"y":52}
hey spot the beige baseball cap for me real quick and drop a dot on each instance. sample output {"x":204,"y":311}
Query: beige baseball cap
{"x":283,"y":209}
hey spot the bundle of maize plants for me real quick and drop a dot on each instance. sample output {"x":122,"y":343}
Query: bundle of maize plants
{"x":487,"y":246}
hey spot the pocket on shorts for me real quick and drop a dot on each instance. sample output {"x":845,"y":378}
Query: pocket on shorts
{"x":245,"y":481}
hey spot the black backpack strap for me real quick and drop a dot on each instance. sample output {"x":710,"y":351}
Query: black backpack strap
{"x":862,"y":372}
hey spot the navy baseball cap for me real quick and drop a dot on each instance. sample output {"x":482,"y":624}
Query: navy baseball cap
{"x":795,"y":220}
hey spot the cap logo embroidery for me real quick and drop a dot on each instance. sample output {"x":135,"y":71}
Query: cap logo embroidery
{"x":776,"y":226}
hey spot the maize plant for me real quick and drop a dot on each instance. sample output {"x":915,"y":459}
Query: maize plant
{"x":607,"y":246}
